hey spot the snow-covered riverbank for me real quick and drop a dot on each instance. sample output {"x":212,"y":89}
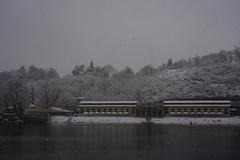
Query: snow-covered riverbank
{"x":134,"y":120}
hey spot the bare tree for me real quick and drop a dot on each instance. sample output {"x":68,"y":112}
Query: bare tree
{"x":15,"y":94}
{"x":50,"y":92}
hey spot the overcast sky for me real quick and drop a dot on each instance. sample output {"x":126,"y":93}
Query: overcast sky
{"x":63,"y":33}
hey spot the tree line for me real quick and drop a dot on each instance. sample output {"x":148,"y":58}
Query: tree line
{"x":45,"y":88}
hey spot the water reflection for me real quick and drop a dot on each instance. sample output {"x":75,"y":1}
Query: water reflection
{"x":118,"y":142}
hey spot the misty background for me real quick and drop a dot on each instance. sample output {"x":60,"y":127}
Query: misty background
{"x":61,"y":34}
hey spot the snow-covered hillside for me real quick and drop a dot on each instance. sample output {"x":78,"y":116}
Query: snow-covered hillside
{"x":222,"y":80}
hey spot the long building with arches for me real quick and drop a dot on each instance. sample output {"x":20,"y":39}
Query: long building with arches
{"x":198,"y":107}
{"x":188,"y":108}
{"x":107,"y":108}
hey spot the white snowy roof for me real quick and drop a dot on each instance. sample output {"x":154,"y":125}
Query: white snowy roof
{"x":197,"y":105}
{"x":60,"y":109}
{"x":199,"y":101}
{"x":112,"y":105}
{"x":109,"y":102}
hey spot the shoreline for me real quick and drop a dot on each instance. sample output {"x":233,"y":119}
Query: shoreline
{"x":140,"y":120}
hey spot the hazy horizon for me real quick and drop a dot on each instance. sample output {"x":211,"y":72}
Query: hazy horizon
{"x":62,"y":34}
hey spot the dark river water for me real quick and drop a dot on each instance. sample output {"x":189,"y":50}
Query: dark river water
{"x":119,"y":142}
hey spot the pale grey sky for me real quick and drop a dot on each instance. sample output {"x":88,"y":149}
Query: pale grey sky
{"x":63,"y":33}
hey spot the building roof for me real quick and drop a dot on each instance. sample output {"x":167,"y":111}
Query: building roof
{"x":198,"y":102}
{"x":60,"y":109}
{"x":197,"y":105}
{"x":112,"y":105}
{"x":109,"y":102}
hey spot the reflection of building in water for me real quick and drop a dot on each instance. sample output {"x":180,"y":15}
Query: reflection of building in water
{"x":107,"y":108}
{"x":166,"y":108}
{"x":197,"y":108}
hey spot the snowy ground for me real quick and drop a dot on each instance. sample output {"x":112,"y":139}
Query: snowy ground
{"x":134,"y":120}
